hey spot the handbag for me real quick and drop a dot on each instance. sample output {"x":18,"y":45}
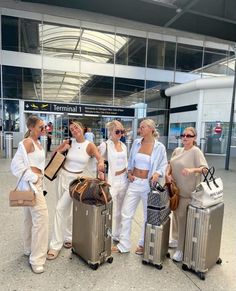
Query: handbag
{"x":54,"y":165}
{"x":209,"y":192}
{"x":21,"y":198}
{"x":90,"y":191}
{"x":173,"y":194}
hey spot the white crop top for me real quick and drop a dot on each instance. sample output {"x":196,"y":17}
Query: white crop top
{"x":120,"y":160}
{"x":77,"y":157}
{"x":142,"y":161}
{"x":37,"y":157}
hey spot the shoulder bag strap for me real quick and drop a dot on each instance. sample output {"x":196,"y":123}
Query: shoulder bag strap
{"x":20,"y":179}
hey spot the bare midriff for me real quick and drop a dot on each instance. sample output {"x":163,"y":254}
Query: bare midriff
{"x":143,"y":174}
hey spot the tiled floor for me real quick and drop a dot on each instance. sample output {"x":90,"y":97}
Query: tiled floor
{"x":126,"y":272}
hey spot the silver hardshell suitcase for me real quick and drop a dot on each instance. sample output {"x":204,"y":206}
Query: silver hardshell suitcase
{"x":203,"y":238}
{"x":91,"y":232}
{"x":156,"y":243}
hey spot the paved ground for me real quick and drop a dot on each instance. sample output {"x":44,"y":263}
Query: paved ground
{"x":126,"y":272}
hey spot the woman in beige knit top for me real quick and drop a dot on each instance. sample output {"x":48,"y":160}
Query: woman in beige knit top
{"x":185,"y":166}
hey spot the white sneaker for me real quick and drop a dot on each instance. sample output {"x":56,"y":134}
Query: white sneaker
{"x":173,"y":243}
{"x":178,"y":256}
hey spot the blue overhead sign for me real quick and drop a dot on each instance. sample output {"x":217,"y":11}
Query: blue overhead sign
{"x":77,"y":108}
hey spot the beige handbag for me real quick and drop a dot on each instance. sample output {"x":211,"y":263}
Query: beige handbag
{"x":21,"y":198}
{"x":54,"y":165}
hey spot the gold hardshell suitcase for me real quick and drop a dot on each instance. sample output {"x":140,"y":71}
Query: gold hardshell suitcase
{"x":91,"y":232}
{"x":203,"y":238}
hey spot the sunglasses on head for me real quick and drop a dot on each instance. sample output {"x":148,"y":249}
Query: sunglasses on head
{"x":187,"y":135}
{"x":119,"y":131}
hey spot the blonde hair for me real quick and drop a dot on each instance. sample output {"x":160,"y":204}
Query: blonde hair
{"x":77,"y":123}
{"x":151,"y":123}
{"x":194,"y":132}
{"x":112,"y":125}
{"x":31,"y":122}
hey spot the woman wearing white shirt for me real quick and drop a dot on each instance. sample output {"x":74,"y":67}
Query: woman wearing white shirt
{"x":115,"y":152}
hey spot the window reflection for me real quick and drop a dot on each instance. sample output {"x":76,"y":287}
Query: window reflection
{"x":21,"y":83}
{"x":132,"y":52}
{"x":11,"y":115}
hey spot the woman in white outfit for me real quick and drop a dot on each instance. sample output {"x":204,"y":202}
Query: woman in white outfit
{"x":115,"y":152}
{"x":77,"y":158}
{"x":29,"y":161}
{"x":147,"y":162}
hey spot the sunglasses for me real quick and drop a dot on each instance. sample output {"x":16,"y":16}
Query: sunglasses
{"x":119,"y":131}
{"x":42,"y":127}
{"x":187,"y":135}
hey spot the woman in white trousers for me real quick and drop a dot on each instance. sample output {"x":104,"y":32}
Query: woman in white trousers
{"x":115,"y":152}
{"x":29,"y":163}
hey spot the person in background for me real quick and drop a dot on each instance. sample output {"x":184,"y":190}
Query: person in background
{"x":89,"y":135}
{"x":147,"y":162}
{"x":115,"y":152}
{"x":77,"y":158}
{"x":49,"y":129}
{"x":185,"y":169}
{"x":29,"y":162}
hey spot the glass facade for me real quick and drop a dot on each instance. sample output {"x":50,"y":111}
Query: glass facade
{"x":61,"y":62}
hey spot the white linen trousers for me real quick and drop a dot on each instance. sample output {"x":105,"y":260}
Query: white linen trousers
{"x":118,"y":191}
{"x":137,"y":191}
{"x":63,"y":217}
{"x":35,"y":229}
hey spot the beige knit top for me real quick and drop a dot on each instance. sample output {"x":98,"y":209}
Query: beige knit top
{"x":192,"y":158}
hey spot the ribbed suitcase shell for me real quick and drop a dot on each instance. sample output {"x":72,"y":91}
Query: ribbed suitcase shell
{"x":203,"y":238}
{"x":91,"y":238}
{"x":156,"y":243}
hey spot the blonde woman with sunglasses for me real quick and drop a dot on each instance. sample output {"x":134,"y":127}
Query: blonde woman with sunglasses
{"x":185,"y":169}
{"x":79,"y":153}
{"x":115,"y":152}
{"x":29,"y":162}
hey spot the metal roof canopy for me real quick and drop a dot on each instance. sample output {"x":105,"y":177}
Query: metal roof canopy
{"x":215,"y":18}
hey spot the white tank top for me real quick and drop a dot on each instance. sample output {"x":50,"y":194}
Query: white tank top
{"x":120,"y":160}
{"x":77,"y":157}
{"x":142,"y":161}
{"x":37,"y":157}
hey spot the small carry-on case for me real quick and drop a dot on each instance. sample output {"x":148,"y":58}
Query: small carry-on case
{"x":203,"y":238}
{"x":156,"y":243}
{"x":91,"y":232}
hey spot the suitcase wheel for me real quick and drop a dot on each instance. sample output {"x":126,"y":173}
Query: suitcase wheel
{"x":110,"y":260}
{"x":159,"y":267}
{"x":168,"y":255}
{"x":201,"y":275}
{"x":144,"y":262}
{"x":219,"y":261}
{"x":185,"y":267}
{"x":73,"y":250}
{"x":94,"y":266}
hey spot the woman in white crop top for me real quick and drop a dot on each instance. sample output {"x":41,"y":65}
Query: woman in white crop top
{"x":79,"y":153}
{"x":29,"y":161}
{"x":147,"y":162}
{"x":115,"y":152}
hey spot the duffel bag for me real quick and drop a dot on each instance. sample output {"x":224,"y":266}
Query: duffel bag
{"x":90,"y":191}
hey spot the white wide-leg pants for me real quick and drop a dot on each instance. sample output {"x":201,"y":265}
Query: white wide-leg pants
{"x":118,"y":191}
{"x":137,"y":190}
{"x":63,"y":217}
{"x":35,"y":229}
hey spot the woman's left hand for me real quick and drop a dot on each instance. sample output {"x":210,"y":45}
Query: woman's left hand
{"x":187,"y":171}
{"x":101,"y":166}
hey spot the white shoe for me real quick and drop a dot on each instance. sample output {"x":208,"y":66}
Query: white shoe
{"x":178,"y":256}
{"x":37,"y":269}
{"x":173,"y":243}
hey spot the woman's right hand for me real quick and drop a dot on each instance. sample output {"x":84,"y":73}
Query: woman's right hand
{"x":168,"y":178}
{"x":130,"y":177}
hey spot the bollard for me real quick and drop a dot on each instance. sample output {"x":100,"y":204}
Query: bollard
{"x":203,"y":144}
{"x":44,"y":142}
{"x":1,"y":141}
{"x":8,"y":145}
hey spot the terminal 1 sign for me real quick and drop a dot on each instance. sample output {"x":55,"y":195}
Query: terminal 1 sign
{"x":36,"y":106}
